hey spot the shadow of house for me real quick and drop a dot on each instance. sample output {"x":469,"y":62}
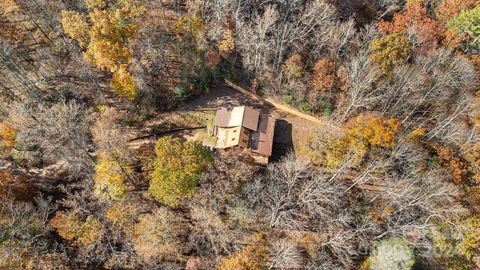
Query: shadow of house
{"x":282,"y":140}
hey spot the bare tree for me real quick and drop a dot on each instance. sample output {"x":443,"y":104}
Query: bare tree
{"x":296,"y":197}
{"x":59,"y":132}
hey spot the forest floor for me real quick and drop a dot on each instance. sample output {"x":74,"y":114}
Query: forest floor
{"x":198,"y":114}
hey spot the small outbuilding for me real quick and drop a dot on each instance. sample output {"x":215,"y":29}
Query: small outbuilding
{"x":245,"y":127}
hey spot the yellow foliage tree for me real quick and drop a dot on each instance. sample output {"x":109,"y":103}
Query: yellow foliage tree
{"x":332,"y":149}
{"x":107,"y":38}
{"x":252,"y":257}
{"x":390,"y":51}
{"x":110,"y":177}
{"x":374,"y":130}
{"x":122,"y":215}
{"x":96,"y":4}
{"x":75,"y":26}
{"x":227,"y":44}
{"x":123,"y":83}
{"x":457,"y":247}
{"x":293,"y":66}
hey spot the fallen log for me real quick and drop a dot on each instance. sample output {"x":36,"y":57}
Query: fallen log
{"x":163,"y":133}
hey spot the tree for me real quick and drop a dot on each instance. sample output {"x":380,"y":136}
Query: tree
{"x":7,"y":135}
{"x":375,"y":131}
{"x":457,"y":244}
{"x":157,"y":236}
{"x":390,"y":51}
{"x":456,"y":165}
{"x":415,"y":21}
{"x":295,"y":197}
{"x":467,"y":23}
{"x":323,"y":75}
{"x":122,"y":215}
{"x":227,"y":44}
{"x":293,"y":67}
{"x":59,"y":132}
{"x":449,"y":9}
{"x":176,"y":169}
{"x":110,"y":176}
{"x":75,"y":25}
{"x":23,"y":231}
{"x":107,"y":38}
{"x":251,"y":257}
{"x":123,"y":83}
{"x":392,"y":254}
{"x":71,"y":227}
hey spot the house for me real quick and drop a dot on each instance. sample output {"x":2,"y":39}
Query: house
{"x":245,"y":127}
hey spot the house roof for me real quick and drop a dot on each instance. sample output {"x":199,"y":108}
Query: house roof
{"x":250,"y":118}
{"x":237,"y":116}
{"x":265,"y":139}
{"x":261,"y":127}
{"x":222,"y":117}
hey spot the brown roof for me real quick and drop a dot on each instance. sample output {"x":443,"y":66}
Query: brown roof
{"x":222,"y":117}
{"x":266,"y":132}
{"x":250,"y":118}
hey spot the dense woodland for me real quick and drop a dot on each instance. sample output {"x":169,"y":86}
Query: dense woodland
{"x":390,"y":181}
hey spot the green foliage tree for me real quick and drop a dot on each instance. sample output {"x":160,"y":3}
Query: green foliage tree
{"x":390,"y":51}
{"x":391,"y":254}
{"x":176,"y":169}
{"x":468,"y":24}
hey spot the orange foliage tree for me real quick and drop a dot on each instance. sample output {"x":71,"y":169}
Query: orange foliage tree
{"x":252,"y":257}
{"x":7,"y":135}
{"x":448,"y":158}
{"x":416,"y":20}
{"x":449,"y":9}
{"x":71,"y":227}
{"x":323,"y":75}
